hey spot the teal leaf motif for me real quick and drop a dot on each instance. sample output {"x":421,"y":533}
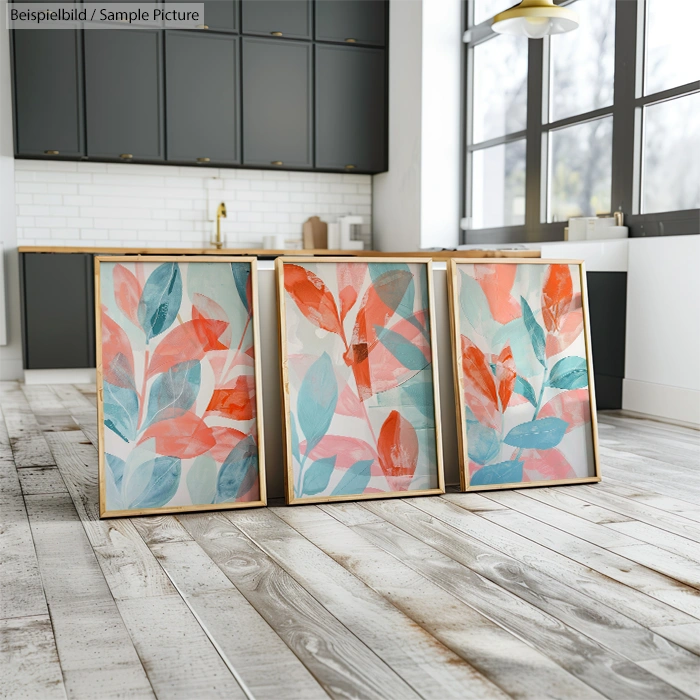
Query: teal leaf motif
{"x":161,"y":486}
{"x":201,"y":480}
{"x":355,"y":479}
{"x":238,"y":472}
{"x":318,"y":475}
{"x":121,"y":410}
{"x":113,"y":477}
{"x":160,"y":300}
{"x":402,"y":349}
{"x":536,"y":332}
{"x":318,"y":397}
{"x":524,"y":388}
{"x":541,"y":434}
{"x":241,"y":273}
{"x":569,"y":373}
{"x":510,"y":472}
{"x":483,"y":443}
{"x":420,"y":394}
{"x":295,"y":437}
{"x":474,"y":305}
{"x":384,"y":276}
{"x":173,"y":392}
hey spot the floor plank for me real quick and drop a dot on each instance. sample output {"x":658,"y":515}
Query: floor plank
{"x":29,"y":665}
{"x":339,"y":661}
{"x":36,"y":480}
{"x":518,"y":669}
{"x":431,"y":669}
{"x":72,"y":399}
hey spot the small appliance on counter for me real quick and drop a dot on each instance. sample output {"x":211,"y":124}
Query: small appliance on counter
{"x":596,"y":228}
{"x":349,"y":233}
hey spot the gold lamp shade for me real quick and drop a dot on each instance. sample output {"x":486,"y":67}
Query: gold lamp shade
{"x":535,"y":19}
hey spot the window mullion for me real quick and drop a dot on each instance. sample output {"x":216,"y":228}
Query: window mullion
{"x":533,"y":151}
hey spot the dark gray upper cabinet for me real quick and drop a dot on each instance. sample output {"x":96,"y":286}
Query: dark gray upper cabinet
{"x":277,"y":103}
{"x":124,"y":94}
{"x":351,"y":109}
{"x":219,"y":15}
{"x":202,"y":101}
{"x":58,"y":309}
{"x":280,"y":18}
{"x":352,"y":21}
{"x":48,"y":92}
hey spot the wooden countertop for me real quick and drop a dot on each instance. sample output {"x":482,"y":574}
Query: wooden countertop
{"x":256,"y":252}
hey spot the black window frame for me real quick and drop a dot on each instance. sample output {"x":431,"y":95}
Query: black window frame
{"x":627,"y":138}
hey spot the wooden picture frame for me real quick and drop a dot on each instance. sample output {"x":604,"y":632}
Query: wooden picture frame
{"x":363,"y":282}
{"x":576,"y":412}
{"x":206,"y":334}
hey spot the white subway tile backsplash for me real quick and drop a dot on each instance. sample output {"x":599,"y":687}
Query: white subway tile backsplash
{"x":126,"y":204}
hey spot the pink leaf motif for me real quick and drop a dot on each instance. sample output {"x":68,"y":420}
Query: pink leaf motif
{"x":479,"y":385}
{"x":506,"y":374}
{"x":497,"y":280}
{"x":573,"y":406}
{"x":350,"y":278}
{"x":312,"y":297}
{"x":127,"y":292}
{"x":236,"y":400}
{"x":225,"y":439}
{"x":348,"y":403}
{"x":570,"y":328}
{"x":557,"y":293}
{"x":546,"y":465}
{"x":117,"y":356}
{"x":347,"y":450}
{"x":206,"y":308}
{"x":185,"y":437}
{"x":397,"y":446}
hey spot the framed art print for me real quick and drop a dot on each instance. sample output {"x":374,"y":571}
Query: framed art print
{"x":178,"y":382}
{"x":359,"y":379}
{"x":525,"y":398}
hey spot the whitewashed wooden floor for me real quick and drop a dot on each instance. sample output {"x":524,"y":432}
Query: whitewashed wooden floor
{"x":570,"y":592}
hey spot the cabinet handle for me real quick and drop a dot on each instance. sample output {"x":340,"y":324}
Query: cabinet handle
{"x":202,"y":26}
{"x":351,"y":41}
{"x":126,"y":156}
{"x":276,"y":33}
{"x":349,"y":167}
{"x":276,"y":162}
{"x":51,"y":153}
{"x":203,"y":160}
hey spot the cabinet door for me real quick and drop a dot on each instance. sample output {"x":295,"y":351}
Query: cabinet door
{"x":219,"y":15}
{"x":124,"y":94}
{"x":58,"y":309}
{"x":352,"y":21}
{"x":287,"y":18}
{"x":277,"y":103}
{"x":202,"y":97}
{"x":350,"y":109}
{"x":48,"y":90}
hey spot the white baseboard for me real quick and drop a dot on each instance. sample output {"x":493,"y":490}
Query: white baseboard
{"x":59,"y":376}
{"x":659,"y":400}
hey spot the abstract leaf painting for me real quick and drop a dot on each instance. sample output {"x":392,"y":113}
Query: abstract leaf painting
{"x":526,"y":408}
{"x":177,"y":385}
{"x":359,"y":379}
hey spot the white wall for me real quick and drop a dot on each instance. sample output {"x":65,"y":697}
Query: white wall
{"x":127,"y":204}
{"x":10,"y":354}
{"x":417,"y":202}
{"x":662,"y":359}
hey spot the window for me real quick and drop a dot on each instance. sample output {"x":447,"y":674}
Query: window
{"x":611,"y":121}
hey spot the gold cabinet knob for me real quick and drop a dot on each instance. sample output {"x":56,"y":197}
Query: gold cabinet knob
{"x":351,"y":41}
{"x":276,"y":33}
{"x":350,"y":167}
{"x":202,"y":26}
{"x":276,"y":162}
{"x":51,"y":153}
{"x":203,"y":160}
{"x":126,"y":156}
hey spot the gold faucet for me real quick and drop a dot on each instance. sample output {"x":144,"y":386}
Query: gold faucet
{"x":221,"y":211}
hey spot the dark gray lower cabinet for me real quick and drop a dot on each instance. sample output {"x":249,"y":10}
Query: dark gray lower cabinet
{"x":277,"y":103}
{"x":351,"y":109}
{"x":124,"y":94}
{"x":58,"y":319}
{"x":281,"y":18}
{"x":351,"y":21}
{"x":203,"y":107}
{"x":607,"y":305}
{"x":219,"y":15}
{"x":48,"y":92}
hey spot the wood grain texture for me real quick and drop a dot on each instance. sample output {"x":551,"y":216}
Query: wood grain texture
{"x":158,"y":529}
{"x":431,"y":669}
{"x":97,"y":655}
{"x":26,"y":438}
{"x":29,"y":666}
{"x":516,"y":668}
{"x":41,"y":480}
{"x":179,"y":658}
{"x":338,"y":660}
{"x":349,"y":513}
{"x":73,"y":400}
{"x":223,"y":612}
{"x":539,"y":608}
